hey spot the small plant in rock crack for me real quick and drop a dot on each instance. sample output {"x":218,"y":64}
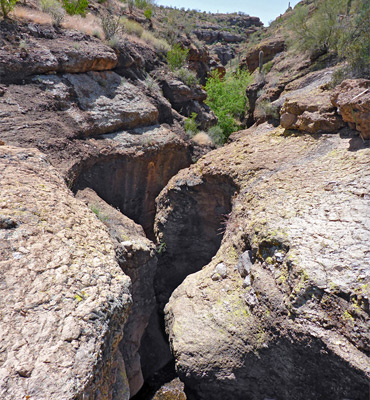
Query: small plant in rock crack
{"x":161,"y":247}
{"x":96,"y":210}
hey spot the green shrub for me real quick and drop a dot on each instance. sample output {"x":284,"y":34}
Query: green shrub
{"x":227,"y":99}
{"x":191,"y":126}
{"x":319,"y":31}
{"x":7,"y":6}
{"x":354,"y":42}
{"x":142,"y":4}
{"x":340,"y":26}
{"x":176,"y":57}
{"x":76,"y":7}
{"x":187,"y":76}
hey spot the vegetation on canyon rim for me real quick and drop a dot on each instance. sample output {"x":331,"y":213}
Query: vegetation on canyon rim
{"x":338,"y":27}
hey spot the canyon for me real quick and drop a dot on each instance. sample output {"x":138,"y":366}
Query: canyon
{"x":131,"y":254}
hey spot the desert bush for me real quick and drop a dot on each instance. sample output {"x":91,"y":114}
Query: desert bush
{"x":76,"y":7}
{"x":131,"y":27}
{"x":267,"y":109}
{"x":227,"y":99}
{"x":187,"y":76}
{"x":111,"y":26}
{"x":176,"y":57}
{"x":159,"y":45}
{"x":191,"y":126}
{"x":148,"y":13}
{"x":202,"y":139}
{"x":354,"y":41}
{"x":7,"y":6}
{"x":54,"y":9}
{"x":319,"y":31}
{"x":216,"y":134}
{"x":340,"y":26}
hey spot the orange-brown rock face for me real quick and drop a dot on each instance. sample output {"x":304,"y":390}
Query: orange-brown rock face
{"x":352,"y":98}
{"x":307,"y":106}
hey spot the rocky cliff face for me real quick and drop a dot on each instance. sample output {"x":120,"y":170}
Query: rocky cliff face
{"x":64,"y":297}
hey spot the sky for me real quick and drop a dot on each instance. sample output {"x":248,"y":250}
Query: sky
{"x":266,"y":10}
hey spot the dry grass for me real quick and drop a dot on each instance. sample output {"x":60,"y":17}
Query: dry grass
{"x":202,"y":139}
{"x":31,"y":15}
{"x":89,"y":25}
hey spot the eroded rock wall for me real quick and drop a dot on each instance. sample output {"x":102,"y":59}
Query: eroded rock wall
{"x":64,"y":297}
{"x":292,"y":321}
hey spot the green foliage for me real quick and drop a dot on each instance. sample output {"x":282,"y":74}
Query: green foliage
{"x":354,"y":41}
{"x":187,"y":76}
{"x":7,"y":6}
{"x":148,"y":13}
{"x":76,"y":7}
{"x":142,"y":4}
{"x":176,"y":57}
{"x":191,"y":126}
{"x":320,"y":31}
{"x":340,"y":26}
{"x":227,"y":98}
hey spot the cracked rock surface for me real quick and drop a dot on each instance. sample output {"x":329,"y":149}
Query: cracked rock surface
{"x":295,"y":309}
{"x":64,"y":298}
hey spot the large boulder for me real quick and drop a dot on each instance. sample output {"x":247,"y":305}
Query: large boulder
{"x":352,"y":98}
{"x":64,"y":298}
{"x":306,"y":104}
{"x":282,"y":308}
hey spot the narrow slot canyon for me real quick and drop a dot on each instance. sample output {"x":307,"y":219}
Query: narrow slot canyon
{"x":186,"y":226}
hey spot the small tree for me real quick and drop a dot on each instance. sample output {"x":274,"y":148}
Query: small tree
{"x":7,"y":6}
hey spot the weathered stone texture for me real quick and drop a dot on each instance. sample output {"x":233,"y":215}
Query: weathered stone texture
{"x":352,"y":98}
{"x":300,"y":311}
{"x":64,"y":298}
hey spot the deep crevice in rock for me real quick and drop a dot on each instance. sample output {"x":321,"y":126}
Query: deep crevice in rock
{"x":189,"y":224}
{"x":131,"y":182}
